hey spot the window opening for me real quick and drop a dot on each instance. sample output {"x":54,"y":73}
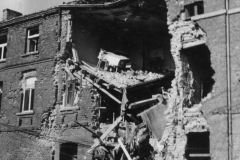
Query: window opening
{"x":32,"y":39}
{"x":194,"y":9}
{"x":28,"y":94}
{"x":70,"y":93}
{"x":3,"y":47}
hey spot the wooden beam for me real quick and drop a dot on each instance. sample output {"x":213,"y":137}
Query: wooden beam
{"x":105,"y":134}
{"x":133,"y":118}
{"x":77,"y":75}
{"x":103,"y":90}
{"x":69,"y":73}
{"x":124,"y":149}
{"x":111,"y":86}
{"x":139,"y":103}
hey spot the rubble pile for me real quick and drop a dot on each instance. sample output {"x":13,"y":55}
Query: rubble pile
{"x":193,"y":120}
{"x":121,"y":138}
{"x":125,"y":79}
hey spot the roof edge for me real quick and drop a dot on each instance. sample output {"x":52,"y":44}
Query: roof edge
{"x":100,"y":6}
{"x":29,"y":17}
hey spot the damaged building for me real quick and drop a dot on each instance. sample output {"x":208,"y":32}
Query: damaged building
{"x":125,"y":79}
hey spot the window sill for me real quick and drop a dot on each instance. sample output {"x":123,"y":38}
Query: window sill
{"x":69,"y":108}
{"x":25,"y":113}
{"x":2,"y":60}
{"x":30,"y":53}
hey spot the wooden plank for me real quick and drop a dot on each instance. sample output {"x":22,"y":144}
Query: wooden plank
{"x":112,"y":87}
{"x":105,"y":134}
{"x":124,"y":149}
{"x":103,"y":90}
{"x":133,"y":118}
{"x":77,"y":75}
{"x":69,"y":73}
{"x":139,"y":103}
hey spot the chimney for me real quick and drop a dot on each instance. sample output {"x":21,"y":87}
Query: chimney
{"x":9,"y":14}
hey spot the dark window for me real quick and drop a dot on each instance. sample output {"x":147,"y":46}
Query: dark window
{"x":70,"y":94}
{"x":68,"y":151}
{"x":26,"y":99}
{"x":194,"y":9}
{"x":198,"y":146}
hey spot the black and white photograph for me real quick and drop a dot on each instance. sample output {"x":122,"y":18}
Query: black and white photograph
{"x":119,"y":79}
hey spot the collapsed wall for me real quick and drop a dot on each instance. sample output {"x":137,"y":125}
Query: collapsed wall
{"x":184,"y":114}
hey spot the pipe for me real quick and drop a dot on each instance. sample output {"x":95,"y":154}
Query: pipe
{"x":229,"y":104}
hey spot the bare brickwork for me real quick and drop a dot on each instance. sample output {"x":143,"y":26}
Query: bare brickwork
{"x":39,"y":121}
{"x":215,"y":105}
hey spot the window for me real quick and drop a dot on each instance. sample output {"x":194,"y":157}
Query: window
{"x":3,"y":47}
{"x":194,"y":9}
{"x":32,"y":39}
{"x":70,"y":94}
{"x":28,"y":94}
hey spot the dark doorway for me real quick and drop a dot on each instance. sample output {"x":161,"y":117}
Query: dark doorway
{"x":68,"y":151}
{"x":198,"y":146}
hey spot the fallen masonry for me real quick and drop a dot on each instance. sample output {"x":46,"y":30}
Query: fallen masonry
{"x":134,"y":116}
{"x":129,"y":98}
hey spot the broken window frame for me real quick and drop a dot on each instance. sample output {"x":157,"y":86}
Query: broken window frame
{"x":30,"y":38}
{"x":28,"y":90}
{"x":3,"y":48}
{"x":194,"y":9}
{"x":67,"y":102}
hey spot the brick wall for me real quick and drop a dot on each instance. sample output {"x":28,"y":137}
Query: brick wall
{"x":15,"y":144}
{"x":235,"y":83}
{"x":21,"y":146}
{"x":215,"y":108}
{"x":17,"y":39}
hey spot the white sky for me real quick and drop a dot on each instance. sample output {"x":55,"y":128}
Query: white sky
{"x":28,"y":6}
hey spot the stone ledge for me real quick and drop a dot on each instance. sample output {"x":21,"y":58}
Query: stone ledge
{"x":25,"y":113}
{"x":30,"y":53}
{"x":69,"y":108}
{"x":2,"y":60}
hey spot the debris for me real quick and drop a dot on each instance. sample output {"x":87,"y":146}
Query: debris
{"x":124,"y":149}
{"x":105,"y":134}
{"x":115,"y":84}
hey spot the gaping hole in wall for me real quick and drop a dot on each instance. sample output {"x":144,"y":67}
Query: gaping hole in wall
{"x":131,"y":31}
{"x":124,"y":54}
{"x":199,"y":62}
{"x":68,"y":151}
